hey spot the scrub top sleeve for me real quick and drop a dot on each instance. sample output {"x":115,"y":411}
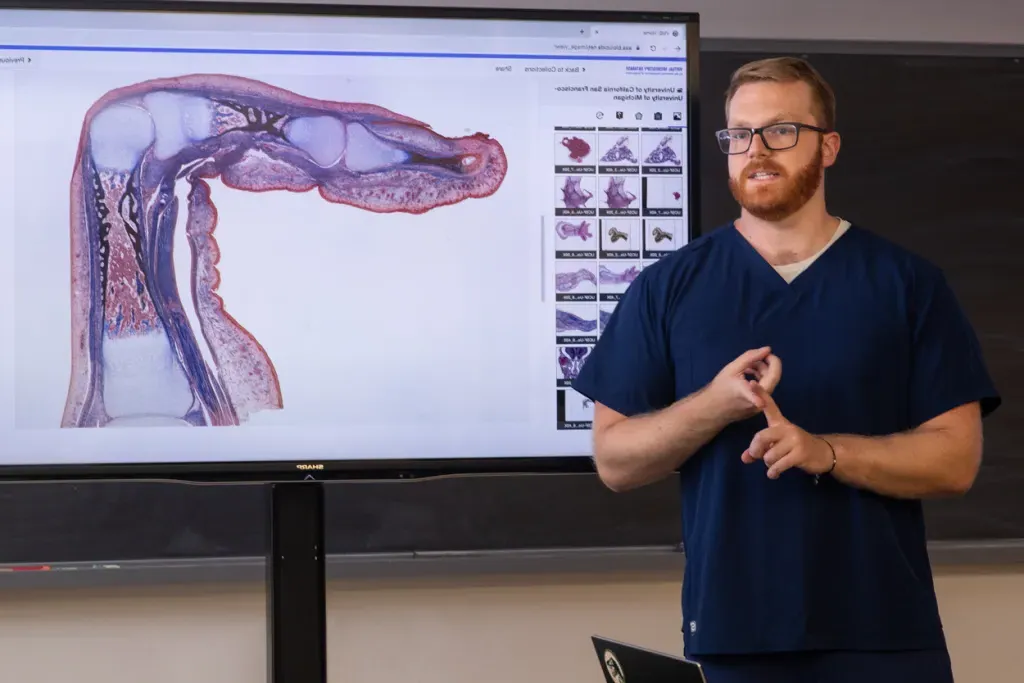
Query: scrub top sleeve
{"x":948,"y":368}
{"x":630,"y":369}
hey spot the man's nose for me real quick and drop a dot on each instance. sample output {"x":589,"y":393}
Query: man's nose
{"x":757,"y":147}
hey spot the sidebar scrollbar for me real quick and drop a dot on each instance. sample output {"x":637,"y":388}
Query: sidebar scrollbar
{"x":543,"y":257}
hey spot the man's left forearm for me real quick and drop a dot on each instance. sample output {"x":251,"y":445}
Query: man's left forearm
{"x":925,"y":463}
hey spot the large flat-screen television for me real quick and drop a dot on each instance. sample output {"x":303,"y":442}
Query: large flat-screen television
{"x":264,"y":240}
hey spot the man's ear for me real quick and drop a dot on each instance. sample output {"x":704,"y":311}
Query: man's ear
{"x":830,"y":148}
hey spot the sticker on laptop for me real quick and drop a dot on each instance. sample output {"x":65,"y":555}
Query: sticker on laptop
{"x":611,"y":664}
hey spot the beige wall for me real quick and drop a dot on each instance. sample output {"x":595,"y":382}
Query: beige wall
{"x":499,"y":630}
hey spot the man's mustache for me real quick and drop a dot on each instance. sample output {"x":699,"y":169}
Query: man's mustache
{"x":763,"y":166}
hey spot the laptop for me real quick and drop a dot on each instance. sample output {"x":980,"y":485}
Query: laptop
{"x":623,"y":663}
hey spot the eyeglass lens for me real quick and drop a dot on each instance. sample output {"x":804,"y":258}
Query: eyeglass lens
{"x":737,"y":140}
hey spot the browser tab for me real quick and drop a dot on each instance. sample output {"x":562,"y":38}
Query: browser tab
{"x":617,"y":31}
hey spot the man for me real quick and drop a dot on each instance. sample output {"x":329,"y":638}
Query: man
{"x":811,"y":382}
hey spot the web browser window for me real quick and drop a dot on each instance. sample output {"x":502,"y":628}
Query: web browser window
{"x":331,"y":237}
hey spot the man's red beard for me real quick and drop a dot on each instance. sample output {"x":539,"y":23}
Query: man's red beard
{"x":783,"y":197}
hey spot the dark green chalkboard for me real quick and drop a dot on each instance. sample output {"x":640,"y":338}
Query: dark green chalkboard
{"x":932,"y":157}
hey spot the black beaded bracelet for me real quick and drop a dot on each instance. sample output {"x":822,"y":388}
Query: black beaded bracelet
{"x":817,"y":477}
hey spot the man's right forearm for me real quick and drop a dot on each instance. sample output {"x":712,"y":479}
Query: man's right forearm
{"x":643,"y":449}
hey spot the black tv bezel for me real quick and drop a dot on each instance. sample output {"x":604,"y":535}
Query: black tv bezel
{"x":321,"y":469}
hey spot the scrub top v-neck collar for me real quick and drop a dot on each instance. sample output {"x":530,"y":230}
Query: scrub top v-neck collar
{"x":767,"y":271}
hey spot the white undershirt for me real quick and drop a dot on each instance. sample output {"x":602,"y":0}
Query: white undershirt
{"x":791,"y":270}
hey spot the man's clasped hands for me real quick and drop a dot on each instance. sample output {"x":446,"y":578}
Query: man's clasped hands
{"x":742,"y":389}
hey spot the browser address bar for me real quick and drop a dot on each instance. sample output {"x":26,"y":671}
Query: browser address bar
{"x":595,"y":46}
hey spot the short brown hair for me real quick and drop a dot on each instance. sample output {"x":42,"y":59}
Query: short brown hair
{"x":788,"y":70}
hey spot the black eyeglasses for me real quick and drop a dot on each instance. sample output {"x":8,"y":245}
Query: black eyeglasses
{"x":777,"y":136}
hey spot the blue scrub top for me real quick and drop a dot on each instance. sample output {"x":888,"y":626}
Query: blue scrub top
{"x":872,"y":342}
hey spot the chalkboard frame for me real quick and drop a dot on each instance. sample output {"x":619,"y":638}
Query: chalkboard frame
{"x":573,"y":564}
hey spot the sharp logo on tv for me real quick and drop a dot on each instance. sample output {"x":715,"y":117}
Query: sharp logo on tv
{"x":304,"y":466}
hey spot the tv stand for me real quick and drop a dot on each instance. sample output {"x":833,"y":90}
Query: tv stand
{"x":296,"y":584}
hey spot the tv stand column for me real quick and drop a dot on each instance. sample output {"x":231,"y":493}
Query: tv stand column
{"x":296,"y":591}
